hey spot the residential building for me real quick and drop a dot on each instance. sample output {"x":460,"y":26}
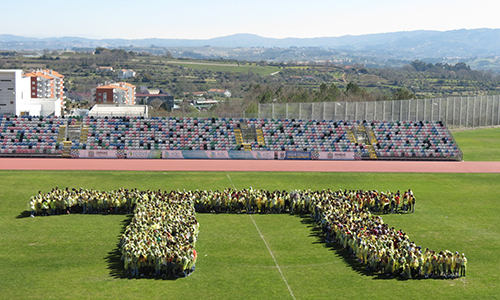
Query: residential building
{"x":104,"y":69}
{"x":149,"y":98}
{"x":122,"y":93}
{"x":199,"y":94}
{"x":126,"y":74}
{"x":46,"y":84}
{"x":38,"y":93}
{"x":220,"y":93}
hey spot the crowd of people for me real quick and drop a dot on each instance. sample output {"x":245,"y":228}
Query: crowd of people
{"x":263,"y":201}
{"x":160,"y":239}
{"x":85,"y":201}
{"x":380,"y":247}
{"x":161,"y":236}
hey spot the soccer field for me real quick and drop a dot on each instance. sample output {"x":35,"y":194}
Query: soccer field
{"x":75,"y":256}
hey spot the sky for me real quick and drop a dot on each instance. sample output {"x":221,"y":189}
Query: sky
{"x":202,"y":19}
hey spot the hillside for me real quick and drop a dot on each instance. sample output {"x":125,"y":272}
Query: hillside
{"x":477,"y":47}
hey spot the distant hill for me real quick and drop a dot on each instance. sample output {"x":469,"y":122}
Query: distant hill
{"x":475,"y":40}
{"x":396,"y":45}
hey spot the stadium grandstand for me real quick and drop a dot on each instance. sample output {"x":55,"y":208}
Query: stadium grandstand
{"x":186,"y":137}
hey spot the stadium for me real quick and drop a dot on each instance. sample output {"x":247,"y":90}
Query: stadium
{"x":222,"y":138}
{"x":247,"y":256}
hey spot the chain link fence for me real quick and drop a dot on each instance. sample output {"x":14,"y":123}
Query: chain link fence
{"x":458,"y":112}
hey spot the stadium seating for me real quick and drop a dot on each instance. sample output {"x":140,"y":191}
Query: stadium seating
{"x":29,"y":136}
{"x":40,"y":136}
{"x":413,"y":139}
{"x":302,"y":135}
{"x":160,"y":134}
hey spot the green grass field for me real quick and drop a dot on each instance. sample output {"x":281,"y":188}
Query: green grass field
{"x":479,"y":144}
{"x":75,"y":256}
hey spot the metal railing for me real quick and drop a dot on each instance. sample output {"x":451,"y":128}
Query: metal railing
{"x":458,"y":112}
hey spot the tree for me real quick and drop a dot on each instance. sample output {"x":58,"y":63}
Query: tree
{"x":99,"y":50}
{"x":402,"y":94}
{"x":265,"y":97}
{"x":461,"y":66}
{"x":421,"y":66}
{"x":156,"y":103}
{"x":334,"y":92}
{"x":353,"y":89}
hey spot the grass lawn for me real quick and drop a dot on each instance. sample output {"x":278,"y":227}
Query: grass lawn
{"x":479,"y":144}
{"x":75,"y":256}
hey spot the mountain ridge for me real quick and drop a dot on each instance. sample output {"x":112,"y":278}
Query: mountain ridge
{"x":478,"y":47}
{"x":253,"y":40}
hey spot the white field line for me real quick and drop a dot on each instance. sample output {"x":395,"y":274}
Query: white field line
{"x":230,"y":180}
{"x":272,"y":255}
{"x":267,"y":246}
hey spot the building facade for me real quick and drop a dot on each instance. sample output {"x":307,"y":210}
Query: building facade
{"x":46,"y":84}
{"x":121,"y":93}
{"x":219,"y":92}
{"x":38,"y":93}
{"x":126,"y":74}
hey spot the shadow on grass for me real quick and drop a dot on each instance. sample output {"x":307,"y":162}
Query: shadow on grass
{"x":24,"y":214}
{"x":340,"y":251}
{"x":115,"y":263}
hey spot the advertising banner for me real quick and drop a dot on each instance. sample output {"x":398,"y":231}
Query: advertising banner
{"x":173,"y":154}
{"x":262,"y":154}
{"x":195,"y":154}
{"x":298,"y":155}
{"x":143,"y":154}
{"x":234,"y":154}
{"x":217,"y":154}
{"x":214,"y":154}
{"x":208,"y":154}
{"x":79,"y":153}
{"x":280,"y":154}
{"x":333,"y":155}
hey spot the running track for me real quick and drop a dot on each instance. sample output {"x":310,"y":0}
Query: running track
{"x":247,"y":165}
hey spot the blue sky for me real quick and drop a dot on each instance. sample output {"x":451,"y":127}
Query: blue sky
{"x":195,"y":19}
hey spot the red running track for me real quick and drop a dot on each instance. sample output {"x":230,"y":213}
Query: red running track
{"x":247,"y":165}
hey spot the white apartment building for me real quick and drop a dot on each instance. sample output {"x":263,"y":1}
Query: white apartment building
{"x":126,"y":74}
{"x":25,"y":94}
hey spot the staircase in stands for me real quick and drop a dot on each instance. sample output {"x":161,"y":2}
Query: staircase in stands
{"x":260,"y":137}
{"x":372,"y":141}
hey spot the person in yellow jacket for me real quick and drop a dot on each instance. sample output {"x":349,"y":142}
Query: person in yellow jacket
{"x":31,"y":206}
{"x":463,"y":265}
{"x":453,"y":267}
{"x":427,"y":268}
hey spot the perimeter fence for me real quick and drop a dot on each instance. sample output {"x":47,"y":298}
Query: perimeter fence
{"x":458,"y":112}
